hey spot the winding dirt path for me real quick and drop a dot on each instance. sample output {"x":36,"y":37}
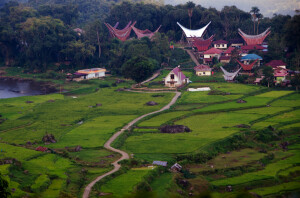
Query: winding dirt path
{"x":107,"y":145}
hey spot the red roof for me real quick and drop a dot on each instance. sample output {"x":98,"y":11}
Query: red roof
{"x":202,"y":68}
{"x":225,"y":58}
{"x":276,"y":63}
{"x":252,"y":47}
{"x":208,"y":59}
{"x":220,"y":42}
{"x":229,"y":50}
{"x":177,"y":71}
{"x":280,"y":72}
{"x":247,"y":67}
{"x":42,"y":149}
{"x":213,"y":51}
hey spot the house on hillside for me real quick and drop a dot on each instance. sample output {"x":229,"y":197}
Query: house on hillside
{"x":220,"y":44}
{"x":42,"y":149}
{"x":280,"y":75}
{"x":202,"y":70}
{"x":250,"y":58}
{"x":176,"y":78}
{"x":226,"y":57}
{"x":276,"y":63}
{"x":211,"y":53}
{"x":246,"y":48}
{"x":160,"y":163}
{"x":85,"y":74}
{"x":237,"y":42}
{"x":79,"y":31}
{"x":176,"y":168}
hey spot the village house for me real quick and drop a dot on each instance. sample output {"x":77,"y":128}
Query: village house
{"x":202,"y":70}
{"x":176,"y":167}
{"x":237,"y":42}
{"x":211,"y":53}
{"x":176,"y":78}
{"x":246,"y":48}
{"x":280,"y":75}
{"x":220,"y":44}
{"x":79,"y":31}
{"x":42,"y":149}
{"x":90,"y":73}
{"x":276,"y":63}
{"x":226,"y":57}
{"x":250,"y":58}
{"x":160,"y":163}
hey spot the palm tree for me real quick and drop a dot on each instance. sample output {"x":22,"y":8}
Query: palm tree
{"x":255,"y":11}
{"x":190,"y":5}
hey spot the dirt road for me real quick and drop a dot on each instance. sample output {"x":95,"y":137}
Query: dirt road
{"x":107,"y":145}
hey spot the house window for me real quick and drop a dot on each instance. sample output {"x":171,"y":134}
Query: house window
{"x":172,"y":76}
{"x":203,"y":72}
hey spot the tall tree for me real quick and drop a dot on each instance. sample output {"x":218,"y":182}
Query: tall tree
{"x":255,"y":13}
{"x":190,"y":5}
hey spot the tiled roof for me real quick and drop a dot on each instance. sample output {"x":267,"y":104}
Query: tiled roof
{"x":220,"y":42}
{"x":252,"y":47}
{"x":280,"y":72}
{"x":276,"y":63}
{"x":202,"y":68}
{"x":229,"y":50}
{"x":225,"y":58}
{"x":213,"y":51}
{"x":176,"y":71}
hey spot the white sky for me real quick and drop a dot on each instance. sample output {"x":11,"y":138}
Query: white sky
{"x":267,"y":7}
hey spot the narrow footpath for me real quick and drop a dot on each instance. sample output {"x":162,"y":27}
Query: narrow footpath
{"x":194,"y":59}
{"x":107,"y":145}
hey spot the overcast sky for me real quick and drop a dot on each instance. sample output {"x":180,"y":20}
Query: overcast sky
{"x":267,"y":7}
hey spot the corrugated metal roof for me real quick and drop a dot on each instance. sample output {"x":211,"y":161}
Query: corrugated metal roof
{"x":160,"y":163}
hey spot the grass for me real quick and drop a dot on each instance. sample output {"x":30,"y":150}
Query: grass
{"x":124,"y":184}
{"x":161,"y":118}
{"x":285,"y":187}
{"x":289,"y":171}
{"x":54,"y":189}
{"x":229,"y":160}
{"x":269,"y":172}
{"x":189,"y":97}
{"x":161,"y":184}
{"x":95,"y":155}
{"x":205,"y":129}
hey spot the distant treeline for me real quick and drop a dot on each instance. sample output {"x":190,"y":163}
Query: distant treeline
{"x":39,"y":35}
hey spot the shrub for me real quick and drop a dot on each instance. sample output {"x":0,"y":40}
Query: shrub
{"x":41,"y":183}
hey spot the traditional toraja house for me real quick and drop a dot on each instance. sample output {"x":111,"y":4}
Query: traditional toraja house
{"x":220,"y":44}
{"x":144,"y":33}
{"x":202,"y":70}
{"x":247,"y":67}
{"x":247,"y":48}
{"x":120,"y":34}
{"x":254,"y":39}
{"x":276,"y":63}
{"x":212,"y":52}
{"x":280,"y":74}
{"x":202,"y":45}
{"x":191,"y":34}
{"x":230,"y":76}
{"x":90,"y":73}
{"x":251,"y":57}
{"x":176,"y":78}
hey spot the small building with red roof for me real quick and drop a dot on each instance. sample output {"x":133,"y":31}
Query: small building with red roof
{"x":202,"y":70}
{"x":176,"y":78}
{"x":225,"y":59}
{"x":212,"y":52}
{"x":276,"y":63}
{"x":220,"y":44}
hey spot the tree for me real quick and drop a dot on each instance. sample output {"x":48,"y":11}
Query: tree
{"x":268,"y":76}
{"x":139,"y":68}
{"x":255,"y":14}
{"x":95,"y":34}
{"x":190,"y":5}
{"x":4,"y":190}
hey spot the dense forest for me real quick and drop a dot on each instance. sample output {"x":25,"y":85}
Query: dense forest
{"x":39,"y":35}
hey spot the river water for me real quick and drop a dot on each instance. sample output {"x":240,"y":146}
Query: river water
{"x":14,"y":88}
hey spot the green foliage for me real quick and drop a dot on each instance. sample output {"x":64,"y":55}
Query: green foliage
{"x":4,"y":190}
{"x":40,"y":184}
